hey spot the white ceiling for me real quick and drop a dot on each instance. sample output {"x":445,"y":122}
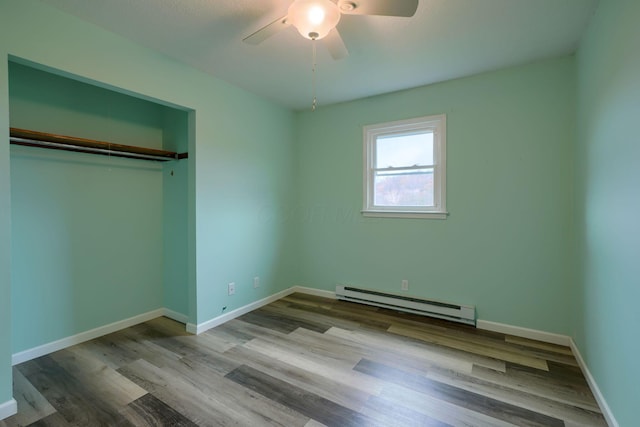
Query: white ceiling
{"x":446,"y":39}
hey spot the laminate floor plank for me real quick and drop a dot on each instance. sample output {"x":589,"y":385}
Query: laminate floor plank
{"x":526,"y":342}
{"x":363,"y":320}
{"x":204,"y":341}
{"x":412,"y":357}
{"x":524,"y":399}
{"x":459,"y":396}
{"x":281,"y":323}
{"x":210,"y":400}
{"x":392,"y":414}
{"x":74,"y":400}
{"x":298,"y":399}
{"x":103,"y":381}
{"x":227,"y":332}
{"x":539,"y":386}
{"x":439,"y":409}
{"x":482,"y":350}
{"x":150,"y":411}
{"x":337,"y":392}
{"x":302,"y":341}
{"x":428,"y":353}
{"x":323,"y":320}
{"x":307,"y":361}
{"x":32,"y":405}
{"x":141,"y":347}
{"x":53,"y":420}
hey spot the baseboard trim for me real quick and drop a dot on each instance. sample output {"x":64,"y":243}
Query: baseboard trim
{"x":518,"y":331}
{"x":174,"y":315}
{"x":315,"y":292}
{"x":60,"y":344}
{"x":604,"y":406}
{"x":216,"y":321}
{"x":8,"y":408}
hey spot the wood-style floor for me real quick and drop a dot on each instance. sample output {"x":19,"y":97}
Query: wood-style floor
{"x":306,"y":361}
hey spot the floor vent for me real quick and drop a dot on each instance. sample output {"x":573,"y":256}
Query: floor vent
{"x":457,"y":313}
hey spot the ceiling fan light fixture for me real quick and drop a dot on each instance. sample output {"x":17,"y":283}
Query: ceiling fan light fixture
{"x":314,"y":18}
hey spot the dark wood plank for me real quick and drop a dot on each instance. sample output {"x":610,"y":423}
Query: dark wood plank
{"x":150,"y":411}
{"x":364,"y":320}
{"x":298,"y":399}
{"x":280,"y":322}
{"x":53,"y":420}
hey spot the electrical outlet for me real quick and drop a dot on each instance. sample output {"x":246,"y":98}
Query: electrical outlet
{"x":405,"y":285}
{"x":256,"y":282}
{"x":232,"y":288}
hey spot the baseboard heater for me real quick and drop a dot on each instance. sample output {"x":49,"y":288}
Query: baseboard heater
{"x":442,"y":310}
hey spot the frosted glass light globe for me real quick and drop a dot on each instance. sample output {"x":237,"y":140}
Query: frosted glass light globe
{"x":314,"y":18}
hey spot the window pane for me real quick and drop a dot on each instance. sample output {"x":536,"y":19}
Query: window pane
{"x":404,"y":189}
{"x":404,"y":150}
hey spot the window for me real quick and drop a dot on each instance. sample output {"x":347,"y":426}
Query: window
{"x":405,"y":168}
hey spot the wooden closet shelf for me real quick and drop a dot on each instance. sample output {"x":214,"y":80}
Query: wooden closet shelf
{"x":31,"y":138}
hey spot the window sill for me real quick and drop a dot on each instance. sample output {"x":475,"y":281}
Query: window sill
{"x":406,"y":214}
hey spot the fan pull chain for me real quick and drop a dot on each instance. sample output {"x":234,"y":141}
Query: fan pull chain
{"x":314,"y":104}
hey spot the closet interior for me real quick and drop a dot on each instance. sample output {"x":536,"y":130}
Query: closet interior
{"x":99,"y":206}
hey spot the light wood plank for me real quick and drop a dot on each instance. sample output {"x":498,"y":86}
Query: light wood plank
{"x":479,"y":349}
{"x":430,"y":355}
{"x":317,"y":365}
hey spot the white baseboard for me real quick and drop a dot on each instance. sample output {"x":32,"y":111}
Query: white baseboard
{"x":604,"y":407}
{"x":518,"y":331}
{"x":316,"y":292}
{"x":41,"y":350}
{"x":560,"y":340}
{"x":216,"y":321}
{"x":8,"y":408}
{"x":178,"y":317}
{"x":60,"y":344}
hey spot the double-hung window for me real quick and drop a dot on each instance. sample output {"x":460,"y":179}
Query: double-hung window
{"x":405,"y":168}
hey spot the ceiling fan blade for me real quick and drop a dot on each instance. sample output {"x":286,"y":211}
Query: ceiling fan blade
{"x":404,"y":8}
{"x":267,"y":31}
{"x":335,"y":45}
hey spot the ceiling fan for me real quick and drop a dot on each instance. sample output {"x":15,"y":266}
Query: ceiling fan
{"x":317,"y":19}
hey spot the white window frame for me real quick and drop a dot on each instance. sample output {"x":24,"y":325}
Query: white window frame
{"x":436,"y":124}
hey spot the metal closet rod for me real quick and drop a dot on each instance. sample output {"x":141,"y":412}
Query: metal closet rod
{"x":31,"y":138}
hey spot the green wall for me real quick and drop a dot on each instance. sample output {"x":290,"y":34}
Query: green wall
{"x":608,"y":204}
{"x":5,"y":239}
{"x":86,"y":243}
{"x":506,"y":245}
{"x":46,"y":102}
{"x":175,"y":232}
